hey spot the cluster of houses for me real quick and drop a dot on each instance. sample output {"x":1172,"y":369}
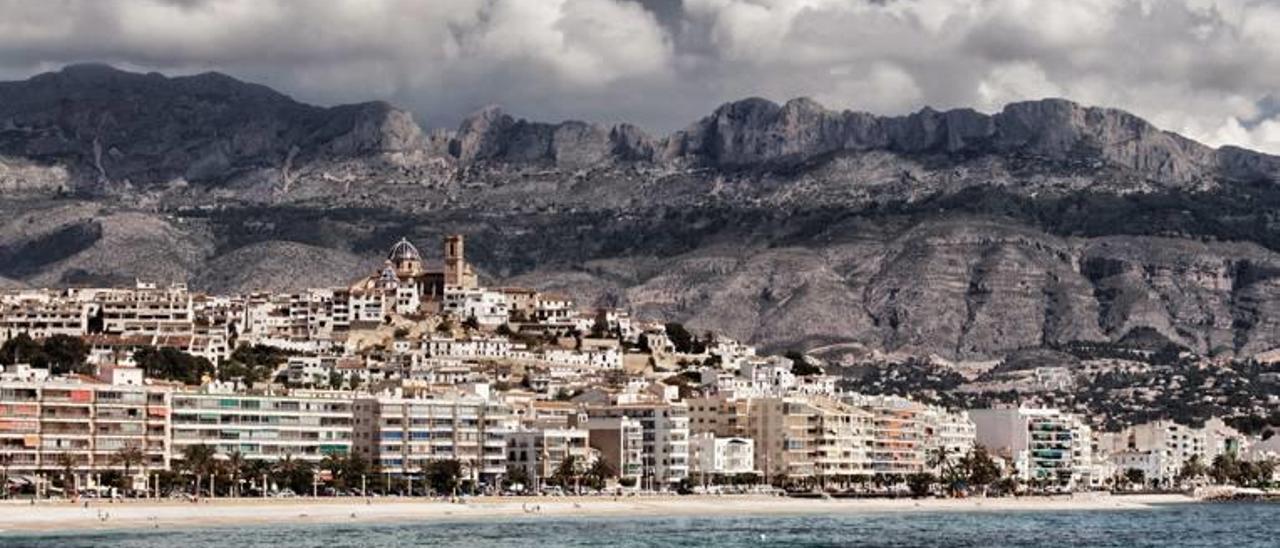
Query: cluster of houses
{"x":412,"y":365}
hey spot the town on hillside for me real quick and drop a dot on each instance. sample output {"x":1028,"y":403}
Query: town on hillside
{"x":419,"y":380}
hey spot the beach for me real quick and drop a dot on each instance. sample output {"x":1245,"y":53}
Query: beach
{"x":147,"y":514}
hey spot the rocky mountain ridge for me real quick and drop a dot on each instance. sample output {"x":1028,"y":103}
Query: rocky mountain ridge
{"x":956,"y":233}
{"x":94,"y":126}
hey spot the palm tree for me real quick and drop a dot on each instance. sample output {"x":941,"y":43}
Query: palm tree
{"x":199,"y":461}
{"x":255,"y":471}
{"x":127,"y":457}
{"x":566,"y":475}
{"x":295,"y":473}
{"x":67,"y":462}
{"x":336,"y":464}
{"x":1266,"y":471}
{"x":6,"y":460}
{"x":599,"y":473}
{"x":1192,"y":469}
{"x":235,"y":468}
{"x":951,"y":475}
{"x":1225,"y":468}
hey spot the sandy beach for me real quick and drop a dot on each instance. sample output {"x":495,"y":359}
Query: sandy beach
{"x":65,"y":516}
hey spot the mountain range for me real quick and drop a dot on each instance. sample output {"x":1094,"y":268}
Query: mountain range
{"x":956,"y":233}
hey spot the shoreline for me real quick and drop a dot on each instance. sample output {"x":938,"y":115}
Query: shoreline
{"x":56,"y":517}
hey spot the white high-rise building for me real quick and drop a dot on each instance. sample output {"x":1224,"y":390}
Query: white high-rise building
{"x":665,"y":435}
{"x":1050,"y":449}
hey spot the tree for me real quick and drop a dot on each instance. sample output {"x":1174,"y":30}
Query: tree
{"x":252,"y":364}
{"x":236,"y":467}
{"x":173,"y":364}
{"x":67,"y":463}
{"x":1266,"y":470}
{"x":66,"y":354}
{"x":600,"y":326}
{"x":232,"y":370}
{"x":356,"y":466}
{"x":471,"y":323}
{"x":1134,"y":476}
{"x":800,"y":365}
{"x":6,"y":460}
{"x":443,"y":476}
{"x":920,"y":483}
{"x":980,"y":467}
{"x":951,"y":473}
{"x":128,"y":457}
{"x":599,"y":473}
{"x":23,"y":349}
{"x":683,"y":341}
{"x":345,"y":469}
{"x":1193,"y":468}
{"x":297,"y":475}
{"x":255,"y":471}
{"x":517,"y":475}
{"x":199,"y":461}
{"x":567,"y":474}
{"x":1225,"y":469}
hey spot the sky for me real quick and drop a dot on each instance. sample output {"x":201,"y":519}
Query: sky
{"x":1209,"y":69}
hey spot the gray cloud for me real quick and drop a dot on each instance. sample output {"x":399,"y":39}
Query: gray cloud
{"x":1207,"y":68}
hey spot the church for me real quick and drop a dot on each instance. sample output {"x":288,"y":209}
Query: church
{"x":416,"y":288}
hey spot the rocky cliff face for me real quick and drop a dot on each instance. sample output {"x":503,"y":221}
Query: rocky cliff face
{"x":757,"y":132}
{"x":110,"y":129}
{"x":958,"y":233}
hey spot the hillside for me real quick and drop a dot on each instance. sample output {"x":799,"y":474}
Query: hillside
{"x":958,"y":233}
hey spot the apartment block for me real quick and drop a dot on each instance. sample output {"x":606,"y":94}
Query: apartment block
{"x":620,"y":441}
{"x":664,"y":430}
{"x":541,"y":452}
{"x":303,"y":425}
{"x":91,"y":422}
{"x":403,"y":433}
{"x":711,"y":456}
{"x":146,"y":311}
{"x":1048,"y":448}
{"x":897,"y":433}
{"x":801,"y":438}
{"x":1161,"y":448}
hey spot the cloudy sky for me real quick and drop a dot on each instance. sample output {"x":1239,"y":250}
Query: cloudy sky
{"x":1207,"y":68}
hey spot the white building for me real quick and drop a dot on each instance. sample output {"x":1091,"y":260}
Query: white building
{"x":1050,"y":449}
{"x":541,"y":452}
{"x":403,"y":433}
{"x":146,"y":311}
{"x":1161,"y":448}
{"x":44,"y":318}
{"x":665,"y":433}
{"x":711,"y":456}
{"x":489,"y":308}
{"x":305,"y":425}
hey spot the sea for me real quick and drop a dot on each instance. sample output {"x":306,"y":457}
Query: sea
{"x":1237,"y":525}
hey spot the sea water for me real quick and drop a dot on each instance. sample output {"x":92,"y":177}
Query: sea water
{"x":1238,"y":525}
